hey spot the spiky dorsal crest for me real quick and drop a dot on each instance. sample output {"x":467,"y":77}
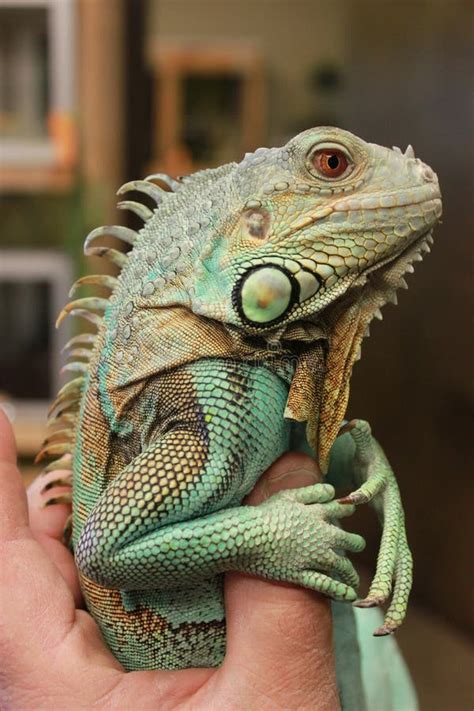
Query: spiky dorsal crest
{"x":63,"y":412}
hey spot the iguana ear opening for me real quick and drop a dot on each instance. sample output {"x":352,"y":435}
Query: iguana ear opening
{"x":256,"y":223}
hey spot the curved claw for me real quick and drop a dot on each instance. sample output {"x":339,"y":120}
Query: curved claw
{"x":373,"y":486}
{"x":401,"y":579}
{"x":383,"y":631}
{"x":367,"y":602}
{"x":356,"y":498}
{"x":397,"y":610}
{"x":347,"y":426}
{"x":54,"y":483}
{"x":62,"y":499}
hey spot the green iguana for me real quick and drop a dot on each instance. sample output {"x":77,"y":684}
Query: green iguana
{"x":237,"y":316}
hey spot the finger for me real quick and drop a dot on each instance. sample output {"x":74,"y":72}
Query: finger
{"x":13,"y":509}
{"x":37,"y":607}
{"x":283,"y":631}
{"x":279,"y":640}
{"x":64,"y":479}
{"x":48,"y":524}
{"x":7,"y":440}
{"x":49,"y":520}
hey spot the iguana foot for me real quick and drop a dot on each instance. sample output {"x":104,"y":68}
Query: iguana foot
{"x":312,"y":549}
{"x":394,"y":571}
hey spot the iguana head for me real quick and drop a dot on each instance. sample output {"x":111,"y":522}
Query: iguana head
{"x":307,"y":223}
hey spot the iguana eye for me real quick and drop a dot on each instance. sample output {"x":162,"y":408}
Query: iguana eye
{"x":265,"y":294}
{"x":331,"y":163}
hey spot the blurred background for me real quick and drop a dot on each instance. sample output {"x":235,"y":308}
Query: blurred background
{"x":97,"y":92}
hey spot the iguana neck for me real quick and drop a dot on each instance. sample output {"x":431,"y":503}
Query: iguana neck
{"x":346,"y":324}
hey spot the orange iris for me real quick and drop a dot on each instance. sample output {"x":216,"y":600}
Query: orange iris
{"x":330,"y":163}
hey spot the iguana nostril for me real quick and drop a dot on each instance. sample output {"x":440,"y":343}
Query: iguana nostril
{"x":428,"y":174}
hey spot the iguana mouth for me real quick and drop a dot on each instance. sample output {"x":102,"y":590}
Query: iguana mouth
{"x":389,"y":200}
{"x":420,"y":245}
{"x":411,"y":252}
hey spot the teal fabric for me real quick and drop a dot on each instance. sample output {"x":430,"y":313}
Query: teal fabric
{"x":371,"y":672}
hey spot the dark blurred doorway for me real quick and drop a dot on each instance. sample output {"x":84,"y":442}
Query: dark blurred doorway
{"x":409,"y":80}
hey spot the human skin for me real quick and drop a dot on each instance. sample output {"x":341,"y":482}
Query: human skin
{"x":52,"y":655}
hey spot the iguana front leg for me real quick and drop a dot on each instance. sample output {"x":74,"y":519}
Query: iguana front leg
{"x":171,"y":517}
{"x":357,"y":458}
{"x":290,"y":538}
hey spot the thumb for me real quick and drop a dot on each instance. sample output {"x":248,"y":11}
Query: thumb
{"x":13,"y":509}
{"x":279,"y":636}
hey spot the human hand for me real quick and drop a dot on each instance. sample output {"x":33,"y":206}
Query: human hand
{"x":279,"y":648}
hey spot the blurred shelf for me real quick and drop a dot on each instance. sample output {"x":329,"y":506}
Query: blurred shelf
{"x":29,"y":473}
{"x":34,"y":179}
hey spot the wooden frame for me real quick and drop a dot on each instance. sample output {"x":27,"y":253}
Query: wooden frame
{"x":172,"y":62}
{"x":37,"y":164}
